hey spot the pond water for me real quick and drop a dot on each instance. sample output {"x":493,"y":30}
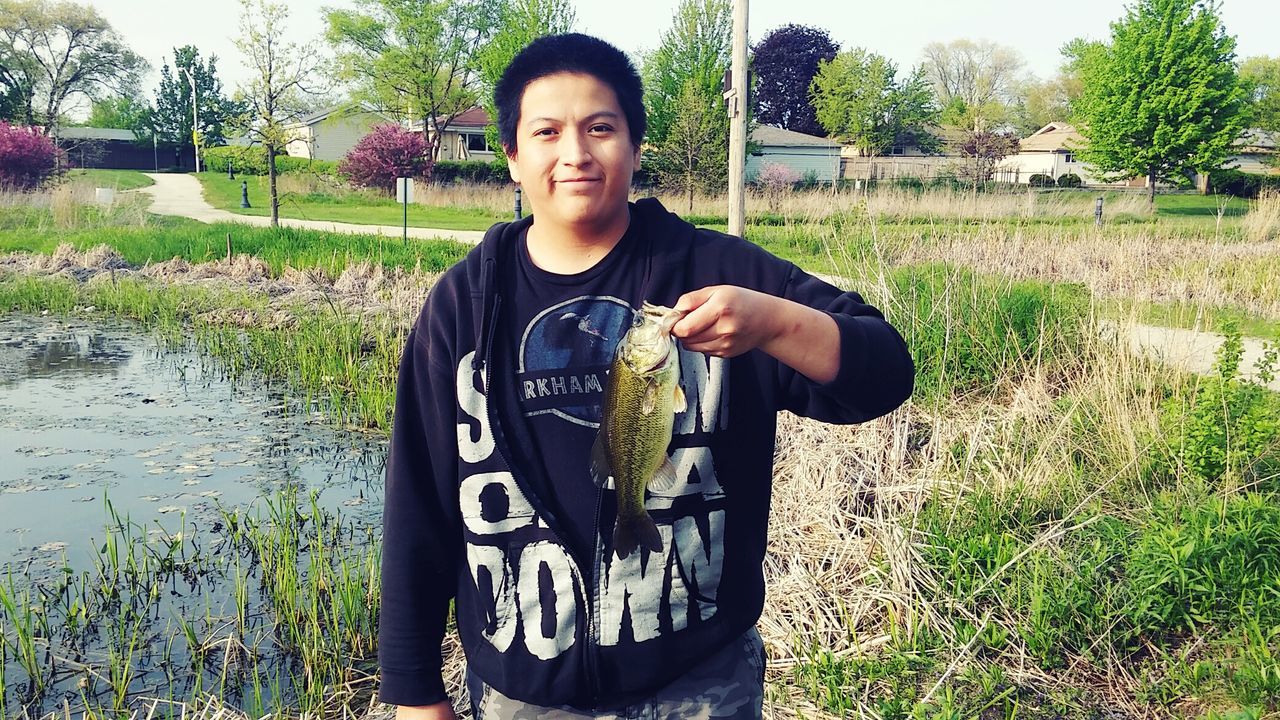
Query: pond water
{"x":97,"y":411}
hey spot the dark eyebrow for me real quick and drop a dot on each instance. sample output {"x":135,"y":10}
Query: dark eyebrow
{"x":593,"y":116}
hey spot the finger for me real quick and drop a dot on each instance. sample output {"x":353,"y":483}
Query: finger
{"x":698,"y":322}
{"x":695,"y":298}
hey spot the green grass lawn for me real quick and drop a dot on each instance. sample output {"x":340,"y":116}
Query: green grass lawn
{"x":118,"y":179}
{"x":360,"y":209}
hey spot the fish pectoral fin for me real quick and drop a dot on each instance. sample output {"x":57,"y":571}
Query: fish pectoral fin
{"x":650,"y":398}
{"x":664,"y":478}
{"x":600,"y":470}
{"x":681,"y":403}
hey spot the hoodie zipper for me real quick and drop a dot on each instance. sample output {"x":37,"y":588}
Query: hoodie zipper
{"x":590,"y":668}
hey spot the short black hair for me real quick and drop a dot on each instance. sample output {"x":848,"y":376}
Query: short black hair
{"x":569,"y":53}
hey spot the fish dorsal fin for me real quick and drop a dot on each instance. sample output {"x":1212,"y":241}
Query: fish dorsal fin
{"x":600,"y":470}
{"x":650,"y":397}
{"x":664,"y":479}
{"x":681,"y":403}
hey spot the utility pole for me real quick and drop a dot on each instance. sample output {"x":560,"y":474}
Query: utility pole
{"x":736,"y":96}
{"x":195,"y":117}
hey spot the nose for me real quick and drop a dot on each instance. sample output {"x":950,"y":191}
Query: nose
{"x":574,"y":150}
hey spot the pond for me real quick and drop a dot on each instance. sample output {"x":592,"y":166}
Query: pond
{"x":160,"y":527}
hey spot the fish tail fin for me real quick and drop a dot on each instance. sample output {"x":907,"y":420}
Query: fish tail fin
{"x":632,"y":532}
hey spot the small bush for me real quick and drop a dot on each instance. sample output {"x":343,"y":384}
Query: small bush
{"x":252,"y":160}
{"x":386,"y":153}
{"x":28,"y":159}
{"x":1070,"y":180}
{"x":1242,"y":184}
{"x":775,"y":179}
{"x":493,"y":172}
{"x":1040,"y":180}
{"x":1230,"y":429}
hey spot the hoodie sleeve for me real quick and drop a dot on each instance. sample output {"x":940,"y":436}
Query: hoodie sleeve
{"x":876,"y":373}
{"x":421,"y":535}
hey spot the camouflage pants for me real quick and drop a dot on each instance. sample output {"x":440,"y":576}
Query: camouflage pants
{"x":729,"y":684}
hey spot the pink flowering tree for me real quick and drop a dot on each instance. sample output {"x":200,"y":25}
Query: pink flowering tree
{"x":27,"y":157}
{"x":386,"y":153}
{"x":775,"y":180}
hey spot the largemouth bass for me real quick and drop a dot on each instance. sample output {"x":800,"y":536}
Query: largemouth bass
{"x":641,"y":400}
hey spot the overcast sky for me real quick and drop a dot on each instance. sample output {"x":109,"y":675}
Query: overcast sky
{"x":899,"y":29}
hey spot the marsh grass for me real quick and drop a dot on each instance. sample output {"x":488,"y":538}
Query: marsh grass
{"x":295,"y":637}
{"x":1263,"y":221}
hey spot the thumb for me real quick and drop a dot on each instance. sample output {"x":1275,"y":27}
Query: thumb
{"x":690,"y":301}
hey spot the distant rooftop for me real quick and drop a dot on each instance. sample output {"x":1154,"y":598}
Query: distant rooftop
{"x":775,"y":136}
{"x":92,"y":133}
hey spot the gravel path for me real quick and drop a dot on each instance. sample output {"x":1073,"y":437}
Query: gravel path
{"x":175,"y":194}
{"x":1191,"y":350}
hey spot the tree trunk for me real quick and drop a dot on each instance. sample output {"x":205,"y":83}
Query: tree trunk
{"x":271,"y":181}
{"x":1151,"y":187}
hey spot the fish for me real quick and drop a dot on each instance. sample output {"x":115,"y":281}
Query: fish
{"x":641,"y":399}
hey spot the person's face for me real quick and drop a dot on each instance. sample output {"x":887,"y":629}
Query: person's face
{"x":573,"y":156}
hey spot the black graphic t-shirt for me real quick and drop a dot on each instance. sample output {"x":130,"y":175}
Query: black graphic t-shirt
{"x":563,"y":331}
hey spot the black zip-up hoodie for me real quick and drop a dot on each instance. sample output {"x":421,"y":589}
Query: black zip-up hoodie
{"x":460,"y":522}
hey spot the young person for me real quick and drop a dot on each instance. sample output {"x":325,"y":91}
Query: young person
{"x":489,"y":498}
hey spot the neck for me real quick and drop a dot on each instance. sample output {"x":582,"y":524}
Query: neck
{"x":567,"y":250}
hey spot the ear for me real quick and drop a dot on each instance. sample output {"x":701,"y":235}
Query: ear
{"x":636,"y":158}
{"x":511,"y":164}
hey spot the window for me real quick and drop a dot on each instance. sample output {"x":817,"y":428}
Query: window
{"x":898,"y":150}
{"x":476,"y":142}
{"x":1070,"y":158}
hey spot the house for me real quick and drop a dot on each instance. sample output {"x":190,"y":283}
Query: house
{"x":331,"y":133}
{"x":805,"y":154}
{"x":1051,"y":151}
{"x":1255,"y":151}
{"x":464,"y":139}
{"x":115,"y":149}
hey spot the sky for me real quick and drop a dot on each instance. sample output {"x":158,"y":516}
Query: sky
{"x":899,"y":29}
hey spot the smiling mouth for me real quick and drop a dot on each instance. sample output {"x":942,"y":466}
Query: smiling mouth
{"x":579,"y":180}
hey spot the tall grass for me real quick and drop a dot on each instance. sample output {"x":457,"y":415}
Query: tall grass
{"x":1262,"y":223}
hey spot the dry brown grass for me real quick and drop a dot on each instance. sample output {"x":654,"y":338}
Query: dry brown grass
{"x":1140,"y":264}
{"x":1262,"y":223}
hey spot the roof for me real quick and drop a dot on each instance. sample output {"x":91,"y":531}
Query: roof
{"x":769,"y":135}
{"x":1260,"y":139}
{"x":339,"y":109}
{"x":1051,"y":138}
{"x":475,"y":117}
{"x":93,"y":133}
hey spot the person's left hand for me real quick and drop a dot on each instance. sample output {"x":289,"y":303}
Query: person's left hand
{"x":726,"y":320}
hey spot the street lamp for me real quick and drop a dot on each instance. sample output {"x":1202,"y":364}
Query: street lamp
{"x":195,"y":117}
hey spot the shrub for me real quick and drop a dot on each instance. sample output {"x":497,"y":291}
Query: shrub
{"x":1070,"y":180}
{"x":386,"y":153}
{"x":1040,"y":180}
{"x":1230,"y":428}
{"x":1242,"y":184}
{"x":775,"y":179}
{"x":252,"y":160}
{"x":27,"y":158}
{"x":471,"y":171}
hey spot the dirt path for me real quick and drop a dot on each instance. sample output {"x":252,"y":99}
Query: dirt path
{"x":174,"y":194}
{"x":1191,"y":350}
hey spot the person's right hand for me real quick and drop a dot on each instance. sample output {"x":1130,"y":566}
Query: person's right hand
{"x":439,"y":711}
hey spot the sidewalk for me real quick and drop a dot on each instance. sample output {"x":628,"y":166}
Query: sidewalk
{"x":174,"y":194}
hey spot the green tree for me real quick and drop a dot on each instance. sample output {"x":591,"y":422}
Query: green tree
{"x":171,"y":118}
{"x":282,"y":76}
{"x":1261,"y":78}
{"x":859,"y":100}
{"x":414,"y":59}
{"x":55,"y":54}
{"x":976,"y":81}
{"x":1162,"y":99}
{"x":696,"y":47}
{"x":1039,"y":102}
{"x":124,"y":113}
{"x":520,"y":22}
{"x":693,"y":156}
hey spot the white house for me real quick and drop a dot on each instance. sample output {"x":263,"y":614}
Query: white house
{"x":802,"y":153}
{"x":464,"y":139}
{"x":331,"y":133}
{"x":1050,"y":151}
